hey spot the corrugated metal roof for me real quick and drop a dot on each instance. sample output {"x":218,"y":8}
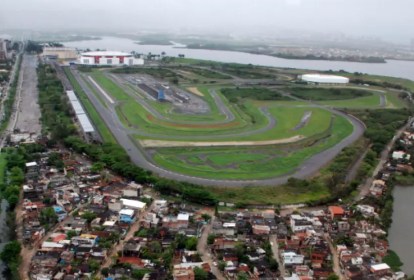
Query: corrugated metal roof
{"x":71,"y":95}
{"x":80,"y":113}
{"x":85,"y":123}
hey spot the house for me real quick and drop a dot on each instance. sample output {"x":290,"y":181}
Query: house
{"x":380,"y":269}
{"x":133,"y":204}
{"x":366,"y":210}
{"x":291,"y":258}
{"x":32,"y":170}
{"x":261,"y":229}
{"x":300,"y":223}
{"x":132,"y":190}
{"x":60,"y":212}
{"x":150,"y":220}
{"x":336,"y":212}
{"x":377,"y":187}
{"x":400,"y":156}
{"x":127,"y":216}
{"x":228,"y":229}
{"x":181,"y":221}
{"x":224,"y":243}
{"x":268,"y":214}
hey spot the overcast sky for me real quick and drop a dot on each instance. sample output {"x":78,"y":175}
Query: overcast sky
{"x":387,"y":19}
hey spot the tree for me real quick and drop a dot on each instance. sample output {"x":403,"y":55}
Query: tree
{"x":105,"y":271}
{"x":206,"y":217}
{"x":242,"y":276}
{"x":98,"y":167}
{"x":11,"y":252}
{"x":210,"y":239}
{"x":191,"y":243}
{"x":221,"y":265}
{"x":89,"y":216}
{"x":93,"y":265}
{"x":48,"y":216}
{"x":70,"y":234}
{"x":333,"y":277}
{"x":138,"y":273}
{"x":200,"y":274}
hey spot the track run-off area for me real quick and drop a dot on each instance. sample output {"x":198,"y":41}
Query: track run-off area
{"x":217,"y":139}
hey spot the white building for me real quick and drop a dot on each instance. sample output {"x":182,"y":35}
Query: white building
{"x":397,"y":155}
{"x":324,"y":79}
{"x":109,"y":58}
{"x":300,"y":223}
{"x":133,"y":204}
{"x":291,"y":258}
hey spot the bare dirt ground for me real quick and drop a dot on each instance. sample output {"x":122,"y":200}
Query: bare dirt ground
{"x":164,"y":144}
{"x":195,"y":91}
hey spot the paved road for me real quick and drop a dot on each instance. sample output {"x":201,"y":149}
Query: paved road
{"x":308,"y":168}
{"x":29,"y":111}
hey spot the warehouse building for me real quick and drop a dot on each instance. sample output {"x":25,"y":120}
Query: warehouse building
{"x":109,"y":58}
{"x":324,"y":79}
{"x":60,"y":53}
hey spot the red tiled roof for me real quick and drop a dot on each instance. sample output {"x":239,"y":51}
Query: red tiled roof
{"x":336,"y":210}
{"x":131,"y":260}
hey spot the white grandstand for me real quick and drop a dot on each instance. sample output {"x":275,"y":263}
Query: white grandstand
{"x":324,"y":79}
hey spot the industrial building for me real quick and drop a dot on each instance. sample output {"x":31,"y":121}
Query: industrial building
{"x":324,"y":79}
{"x":83,"y":119}
{"x":61,"y":53}
{"x":109,"y":58}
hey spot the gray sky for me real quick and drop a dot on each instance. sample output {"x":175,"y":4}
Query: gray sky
{"x":387,"y":19}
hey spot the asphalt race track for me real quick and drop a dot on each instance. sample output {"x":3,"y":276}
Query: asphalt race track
{"x":308,"y":168}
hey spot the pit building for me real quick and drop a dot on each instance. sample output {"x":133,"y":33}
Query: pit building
{"x":109,"y":58}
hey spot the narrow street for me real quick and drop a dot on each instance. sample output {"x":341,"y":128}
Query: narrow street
{"x":336,"y":267}
{"x":275,"y":250}
{"x":204,"y":251}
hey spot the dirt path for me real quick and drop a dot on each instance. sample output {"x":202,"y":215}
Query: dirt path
{"x":195,"y":91}
{"x":163,"y":143}
{"x":204,"y":252}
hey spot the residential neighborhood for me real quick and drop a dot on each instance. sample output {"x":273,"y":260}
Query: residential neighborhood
{"x":79,"y":220}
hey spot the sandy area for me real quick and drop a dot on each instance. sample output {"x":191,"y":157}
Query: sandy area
{"x":162,"y":143}
{"x":195,"y":91}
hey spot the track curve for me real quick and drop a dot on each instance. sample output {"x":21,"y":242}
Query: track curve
{"x":139,"y":157}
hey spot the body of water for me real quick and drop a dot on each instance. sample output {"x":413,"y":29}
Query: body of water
{"x":394,"y":68}
{"x":402,"y":230}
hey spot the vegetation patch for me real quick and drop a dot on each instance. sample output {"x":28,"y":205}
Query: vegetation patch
{"x":393,"y":260}
{"x":323,"y":94}
{"x":235,"y":94}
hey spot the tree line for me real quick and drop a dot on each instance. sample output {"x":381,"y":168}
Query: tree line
{"x":58,"y":125}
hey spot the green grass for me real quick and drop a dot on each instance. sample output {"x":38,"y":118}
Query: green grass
{"x":92,"y":113}
{"x":245,"y":162}
{"x":204,"y":73}
{"x":393,"y":260}
{"x":393,"y":101}
{"x":372,"y":101}
{"x":324,"y":94}
{"x":270,"y":195}
{"x":256,"y":93}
